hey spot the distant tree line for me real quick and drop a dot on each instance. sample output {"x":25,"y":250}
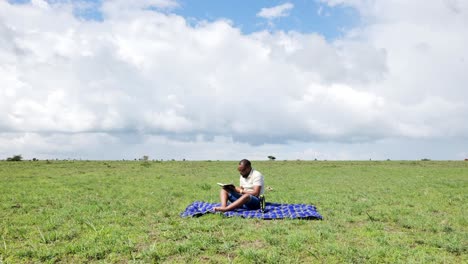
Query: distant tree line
{"x":15,"y":158}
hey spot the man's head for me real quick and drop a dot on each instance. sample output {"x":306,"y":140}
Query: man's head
{"x":244,"y":167}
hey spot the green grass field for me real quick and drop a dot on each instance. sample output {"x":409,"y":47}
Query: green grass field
{"x":128,"y":211}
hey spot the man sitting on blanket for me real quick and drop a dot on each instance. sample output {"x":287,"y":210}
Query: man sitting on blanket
{"x":247,"y":194}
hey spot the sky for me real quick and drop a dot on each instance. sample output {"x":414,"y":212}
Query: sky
{"x":226,"y":80}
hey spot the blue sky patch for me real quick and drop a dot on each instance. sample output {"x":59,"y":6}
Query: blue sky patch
{"x":304,"y":17}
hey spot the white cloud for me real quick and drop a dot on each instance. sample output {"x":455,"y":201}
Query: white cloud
{"x":127,"y":10}
{"x":141,"y":80}
{"x":276,"y":11}
{"x":120,"y":5}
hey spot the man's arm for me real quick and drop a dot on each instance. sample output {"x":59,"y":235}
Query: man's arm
{"x":254,"y":192}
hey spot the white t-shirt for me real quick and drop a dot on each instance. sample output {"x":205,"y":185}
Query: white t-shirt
{"x":255,"y":178}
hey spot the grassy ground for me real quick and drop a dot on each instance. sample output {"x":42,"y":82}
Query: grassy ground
{"x":116,"y":211}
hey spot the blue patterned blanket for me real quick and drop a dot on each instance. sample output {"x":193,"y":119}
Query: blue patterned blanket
{"x":272,"y":211}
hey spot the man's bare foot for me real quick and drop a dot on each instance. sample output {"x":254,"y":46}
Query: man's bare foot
{"x":219,"y":209}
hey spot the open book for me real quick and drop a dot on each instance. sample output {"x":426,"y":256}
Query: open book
{"x":226,"y":185}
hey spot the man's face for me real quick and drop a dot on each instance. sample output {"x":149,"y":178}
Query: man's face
{"x":244,"y":170}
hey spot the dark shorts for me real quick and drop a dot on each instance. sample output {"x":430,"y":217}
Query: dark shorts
{"x":252,"y":204}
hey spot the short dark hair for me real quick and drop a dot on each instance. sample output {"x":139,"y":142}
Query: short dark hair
{"x":245,"y":162}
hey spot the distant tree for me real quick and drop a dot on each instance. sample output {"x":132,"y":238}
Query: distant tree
{"x":15,"y":158}
{"x":271,"y":157}
{"x":145,"y":158}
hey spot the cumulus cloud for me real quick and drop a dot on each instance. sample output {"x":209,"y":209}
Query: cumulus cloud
{"x":124,"y":9}
{"x":276,"y":11}
{"x":143,"y":78}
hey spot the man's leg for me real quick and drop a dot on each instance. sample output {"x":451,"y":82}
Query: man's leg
{"x":223,"y":196}
{"x":245,"y":198}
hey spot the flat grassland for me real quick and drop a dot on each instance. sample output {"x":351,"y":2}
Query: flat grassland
{"x":129,"y":211}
